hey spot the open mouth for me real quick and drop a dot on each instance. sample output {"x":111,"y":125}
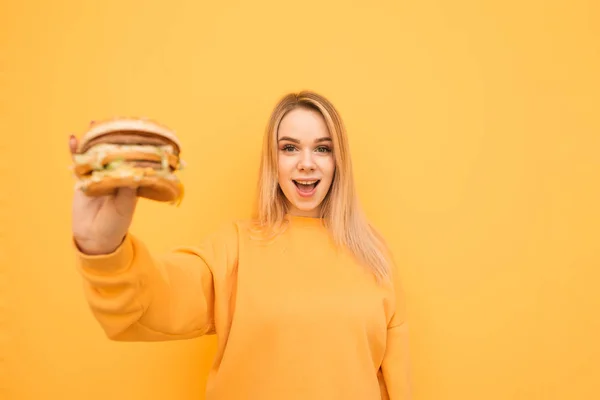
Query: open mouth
{"x":307,"y":186}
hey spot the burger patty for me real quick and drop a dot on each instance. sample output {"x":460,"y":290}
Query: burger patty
{"x":140,"y":160}
{"x":136,"y":138}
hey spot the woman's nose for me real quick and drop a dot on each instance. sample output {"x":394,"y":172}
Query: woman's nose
{"x":306,"y":161}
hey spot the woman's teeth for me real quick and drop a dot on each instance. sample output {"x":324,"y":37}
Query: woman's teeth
{"x":306,"y":186}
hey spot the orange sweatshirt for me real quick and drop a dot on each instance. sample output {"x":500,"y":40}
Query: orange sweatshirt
{"x":296,"y":318}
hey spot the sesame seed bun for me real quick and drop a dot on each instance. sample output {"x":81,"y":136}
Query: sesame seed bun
{"x":138,"y":125}
{"x":151,"y":187}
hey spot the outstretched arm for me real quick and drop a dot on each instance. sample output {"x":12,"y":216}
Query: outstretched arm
{"x":139,"y":296}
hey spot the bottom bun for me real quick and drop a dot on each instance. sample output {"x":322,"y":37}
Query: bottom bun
{"x":151,"y":187}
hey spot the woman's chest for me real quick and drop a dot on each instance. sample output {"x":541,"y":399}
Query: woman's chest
{"x":317,"y":288}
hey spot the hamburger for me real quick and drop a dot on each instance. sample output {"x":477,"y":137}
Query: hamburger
{"x":129,"y":152}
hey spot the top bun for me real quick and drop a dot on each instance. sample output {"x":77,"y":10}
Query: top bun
{"x":122,"y":124}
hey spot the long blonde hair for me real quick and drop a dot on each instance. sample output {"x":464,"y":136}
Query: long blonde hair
{"x":340,"y":209}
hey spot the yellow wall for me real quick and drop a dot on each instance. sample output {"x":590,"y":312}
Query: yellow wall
{"x":475,"y":133}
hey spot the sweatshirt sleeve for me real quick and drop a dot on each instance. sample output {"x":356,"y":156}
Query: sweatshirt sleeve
{"x":395,"y":368}
{"x":137,"y":295}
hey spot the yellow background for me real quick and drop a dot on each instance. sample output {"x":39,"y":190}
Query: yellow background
{"x":475,"y":135}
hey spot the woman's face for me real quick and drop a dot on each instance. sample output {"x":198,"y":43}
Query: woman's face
{"x":305,"y":161}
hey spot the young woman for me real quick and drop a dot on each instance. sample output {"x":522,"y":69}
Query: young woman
{"x":304,"y":298}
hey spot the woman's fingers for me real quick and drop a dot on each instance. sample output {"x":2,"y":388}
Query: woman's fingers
{"x":72,"y":144}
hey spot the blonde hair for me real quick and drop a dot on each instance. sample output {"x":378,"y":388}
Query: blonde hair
{"x":340,"y":209}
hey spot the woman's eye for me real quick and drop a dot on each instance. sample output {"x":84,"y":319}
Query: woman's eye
{"x":323,"y":149}
{"x":288,"y":147}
